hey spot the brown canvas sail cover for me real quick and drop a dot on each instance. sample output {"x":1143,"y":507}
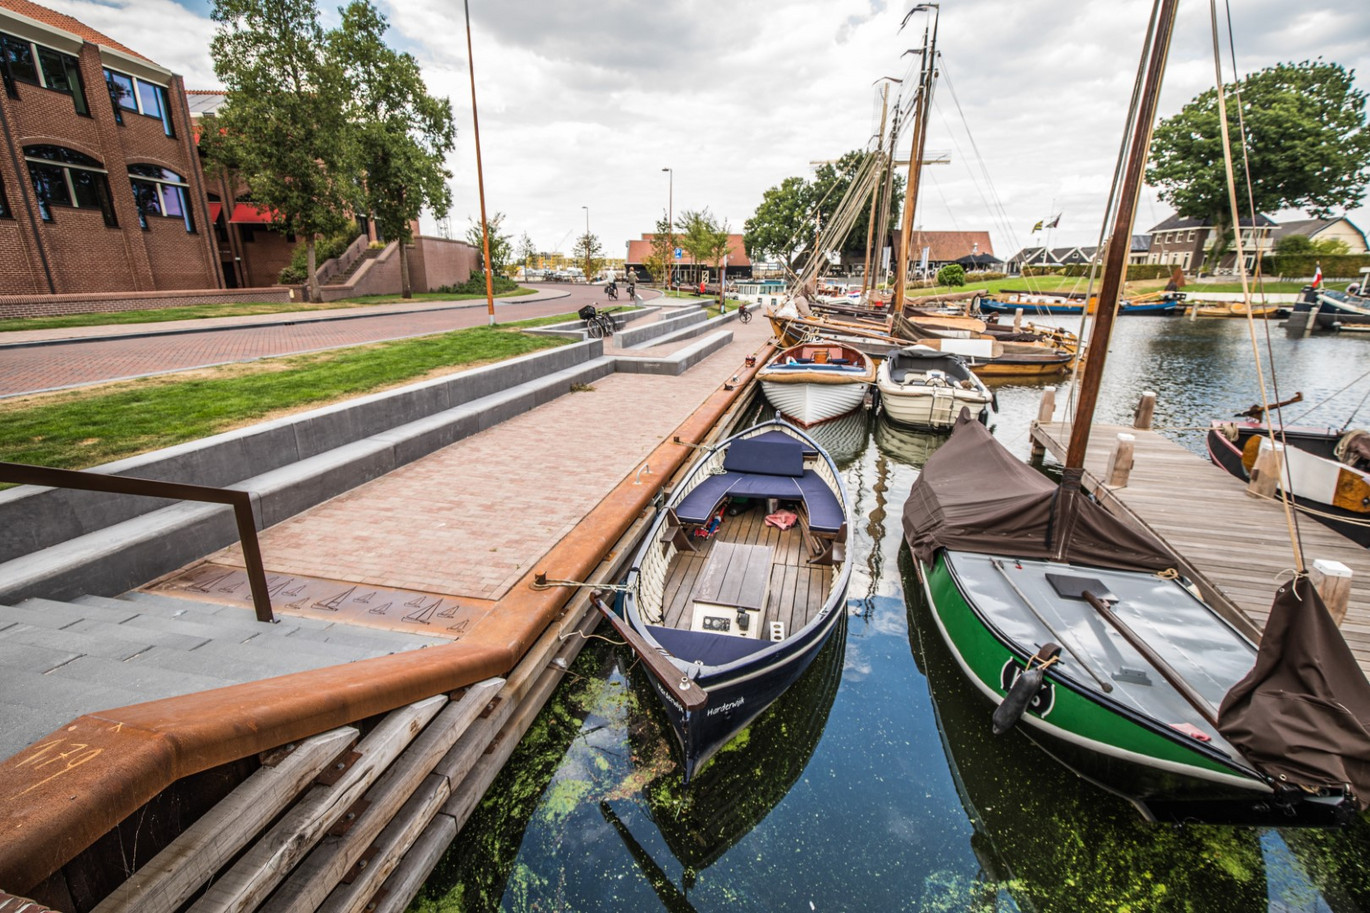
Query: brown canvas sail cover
{"x":975,"y":496}
{"x":1302,"y":714}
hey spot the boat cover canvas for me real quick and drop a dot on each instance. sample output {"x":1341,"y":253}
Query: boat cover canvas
{"x":1302,"y":714}
{"x":975,"y":496}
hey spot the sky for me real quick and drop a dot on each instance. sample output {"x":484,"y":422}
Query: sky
{"x":582,"y":105}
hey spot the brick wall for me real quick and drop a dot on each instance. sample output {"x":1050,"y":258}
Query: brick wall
{"x":42,"y":305}
{"x":435,"y":262}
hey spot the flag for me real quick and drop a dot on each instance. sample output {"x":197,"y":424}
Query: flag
{"x":1317,"y":277}
{"x":1054,"y":222}
{"x":1036,"y":228}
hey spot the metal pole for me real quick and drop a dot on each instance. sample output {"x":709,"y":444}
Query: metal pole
{"x":670,"y":226}
{"x":480,"y":176}
{"x":587,"y":242}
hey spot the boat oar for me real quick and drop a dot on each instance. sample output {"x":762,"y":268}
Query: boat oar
{"x":1196,"y":700}
{"x":690,"y":696}
{"x":998,"y":566}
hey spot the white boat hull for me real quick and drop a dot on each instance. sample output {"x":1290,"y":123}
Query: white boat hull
{"x":811,"y":403}
{"x":929,"y":407}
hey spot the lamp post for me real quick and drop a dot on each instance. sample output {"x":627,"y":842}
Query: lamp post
{"x":480,"y":178}
{"x":587,"y":242}
{"x":670,"y":226}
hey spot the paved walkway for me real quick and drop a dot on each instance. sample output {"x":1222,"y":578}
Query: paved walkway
{"x":468,"y":521}
{"x":35,"y":361}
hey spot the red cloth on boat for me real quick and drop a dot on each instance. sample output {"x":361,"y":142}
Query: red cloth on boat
{"x":781,"y":519}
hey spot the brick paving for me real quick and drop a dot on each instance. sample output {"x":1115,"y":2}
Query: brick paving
{"x":471,"y":519}
{"x":121,"y":352}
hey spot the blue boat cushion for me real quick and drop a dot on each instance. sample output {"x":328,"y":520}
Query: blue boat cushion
{"x":824,"y":510}
{"x":711,"y":649}
{"x":773,"y":457}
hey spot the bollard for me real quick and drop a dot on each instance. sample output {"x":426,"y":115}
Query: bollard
{"x":1146,"y":410}
{"x":1265,"y":474}
{"x":1120,"y":462}
{"x":1045,"y":410}
{"x":1332,"y":579}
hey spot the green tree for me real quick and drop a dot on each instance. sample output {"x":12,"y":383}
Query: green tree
{"x":282,"y":126}
{"x":527,"y":250}
{"x":403,"y":133}
{"x":782,"y":227}
{"x":706,"y":239}
{"x":588,"y":254}
{"x":501,"y":242}
{"x":1306,"y":139}
{"x":1302,"y":244}
{"x":830,"y":184}
{"x":663,"y":250}
{"x":952,"y":275}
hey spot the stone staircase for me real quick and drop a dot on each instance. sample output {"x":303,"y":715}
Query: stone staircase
{"x":366,"y":257}
{"x":59,"y":660}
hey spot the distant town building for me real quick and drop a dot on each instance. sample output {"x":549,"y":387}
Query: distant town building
{"x":1141,"y":246}
{"x":1185,"y":242}
{"x":684,"y":269}
{"x":100,"y":189}
{"x":1340,"y":229}
{"x":1030,"y":256}
{"x":943,"y":247}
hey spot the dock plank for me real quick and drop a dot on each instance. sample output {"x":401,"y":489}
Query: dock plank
{"x":1233,"y":545}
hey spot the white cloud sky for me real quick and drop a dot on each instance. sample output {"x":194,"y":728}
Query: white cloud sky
{"x":582,"y":105}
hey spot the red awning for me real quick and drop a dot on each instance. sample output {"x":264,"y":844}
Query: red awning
{"x":247,"y":214}
{"x":214,"y":210}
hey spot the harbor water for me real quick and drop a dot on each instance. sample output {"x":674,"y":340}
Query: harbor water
{"x":875,"y":783}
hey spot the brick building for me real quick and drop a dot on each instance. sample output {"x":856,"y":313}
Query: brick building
{"x":100,"y":188}
{"x":685,"y":270}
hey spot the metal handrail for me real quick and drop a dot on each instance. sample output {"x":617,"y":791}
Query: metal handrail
{"x":240,"y":501}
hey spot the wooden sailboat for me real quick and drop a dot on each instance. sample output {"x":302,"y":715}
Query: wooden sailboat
{"x":1076,"y":625}
{"x":739,"y":583}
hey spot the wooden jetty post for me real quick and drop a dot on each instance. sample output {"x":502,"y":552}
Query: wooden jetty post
{"x":1120,"y":461}
{"x":1017,"y":319}
{"x":1146,"y":411}
{"x":1046,"y":411}
{"x":1333,"y":582}
{"x":1265,"y":474}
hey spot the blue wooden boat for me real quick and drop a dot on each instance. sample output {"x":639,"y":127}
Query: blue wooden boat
{"x":1165,"y":307}
{"x":739,"y":583}
{"x":1334,"y":310}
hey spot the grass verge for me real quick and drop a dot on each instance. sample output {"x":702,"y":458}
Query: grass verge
{"x":237,"y":309}
{"x":81,"y":428}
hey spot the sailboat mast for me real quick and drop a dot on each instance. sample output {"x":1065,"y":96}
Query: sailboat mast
{"x":1120,"y":239}
{"x":875,"y":195}
{"x":922,"y":107}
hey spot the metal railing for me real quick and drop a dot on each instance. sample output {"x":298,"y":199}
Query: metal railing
{"x":240,"y":501}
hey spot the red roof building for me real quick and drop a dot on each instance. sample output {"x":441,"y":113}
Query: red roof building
{"x":100,"y":185}
{"x":685,"y":267}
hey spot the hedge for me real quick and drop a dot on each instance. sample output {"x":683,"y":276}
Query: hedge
{"x":1334,"y":266}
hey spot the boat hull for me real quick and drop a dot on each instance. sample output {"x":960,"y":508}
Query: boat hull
{"x":811,"y":403}
{"x":930,"y":409}
{"x":1118,"y":750}
{"x":1141,"y":309}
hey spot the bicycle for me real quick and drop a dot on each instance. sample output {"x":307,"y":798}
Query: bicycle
{"x":598,"y":325}
{"x":743,"y":314}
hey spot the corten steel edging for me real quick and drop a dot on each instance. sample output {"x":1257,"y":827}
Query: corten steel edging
{"x":240,"y":501}
{"x":65,"y":791}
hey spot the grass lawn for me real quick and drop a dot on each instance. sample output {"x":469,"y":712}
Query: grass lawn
{"x":86,"y":427}
{"x":237,"y":309}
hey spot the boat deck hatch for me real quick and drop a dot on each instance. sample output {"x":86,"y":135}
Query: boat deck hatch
{"x":1071,"y":586}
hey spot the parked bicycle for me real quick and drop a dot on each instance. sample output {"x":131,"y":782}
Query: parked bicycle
{"x":598,"y":324}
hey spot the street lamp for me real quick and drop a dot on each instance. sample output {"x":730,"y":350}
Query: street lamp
{"x":670,"y":225}
{"x":587,"y":242}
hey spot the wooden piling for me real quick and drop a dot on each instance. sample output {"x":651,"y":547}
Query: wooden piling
{"x":1333,"y":582}
{"x":1046,"y":410}
{"x":1017,"y":319}
{"x":1146,"y":411}
{"x":1265,"y":474}
{"x":1120,"y":461}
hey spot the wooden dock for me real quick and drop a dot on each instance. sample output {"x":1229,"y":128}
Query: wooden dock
{"x":1234,"y":546}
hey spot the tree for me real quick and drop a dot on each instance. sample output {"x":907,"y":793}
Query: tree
{"x":706,"y":240}
{"x":282,"y":125}
{"x":588,"y":253}
{"x":663,"y":250}
{"x":403,"y":133}
{"x":951,"y":275}
{"x":501,"y":243}
{"x":1306,"y":140}
{"x":1302,"y":244}
{"x":527,"y":251}
{"x":781,"y":228}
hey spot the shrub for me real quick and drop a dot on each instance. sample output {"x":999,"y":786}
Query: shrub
{"x":476,"y":286}
{"x":953,"y":274}
{"x":325,"y":249}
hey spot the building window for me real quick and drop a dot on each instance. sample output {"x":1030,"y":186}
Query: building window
{"x":159,"y":192}
{"x":5,"y":212}
{"x":129,"y":93}
{"x":23,"y":61}
{"x":65,"y":177}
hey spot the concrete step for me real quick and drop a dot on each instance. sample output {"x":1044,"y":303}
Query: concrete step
{"x":15,"y":654}
{"x":206,"y":623}
{"x":35,"y":704}
{"x":50,"y":613}
{"x":179,"y":606}
{"x":233,"y":662}
{"x":142,"y":638}
{"x":147,"y":681}
{"x":76,"y":642}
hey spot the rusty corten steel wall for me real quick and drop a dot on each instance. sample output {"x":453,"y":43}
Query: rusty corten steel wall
{"x":63,"y":792}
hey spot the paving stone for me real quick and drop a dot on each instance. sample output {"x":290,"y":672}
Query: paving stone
{"x":73,"y":641}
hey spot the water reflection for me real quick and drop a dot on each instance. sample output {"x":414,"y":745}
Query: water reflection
{"x":879,"y":787}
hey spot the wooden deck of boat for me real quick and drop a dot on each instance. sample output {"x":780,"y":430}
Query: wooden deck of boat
{"x":1233,"y":545}
{"x":797,"y":589}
